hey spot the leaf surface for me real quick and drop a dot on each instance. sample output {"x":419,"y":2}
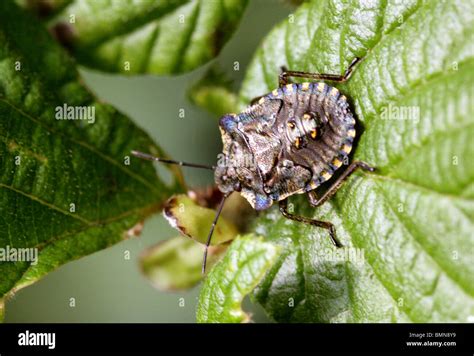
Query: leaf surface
{"x":407,"y":228}
{"x":176,"y":264}
{"x":159,"y":37}
{"x":195,"y":221}
{"x":68,"y":186}
{"x":235,"y":276}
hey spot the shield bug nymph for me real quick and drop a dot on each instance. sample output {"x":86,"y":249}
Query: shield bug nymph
{"x":287,"y":142}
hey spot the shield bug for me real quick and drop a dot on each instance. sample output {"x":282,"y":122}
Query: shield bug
{"x":287,"y":142}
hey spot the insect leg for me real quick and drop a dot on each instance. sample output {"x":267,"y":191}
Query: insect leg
{"x":324,"y":224}
{"x":313,"y":198}
{"x":283,"y":78}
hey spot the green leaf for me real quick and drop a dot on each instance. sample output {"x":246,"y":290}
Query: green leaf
{"x":68,"y":188}
{"x":214,"y":93}
{"x":235,"y":276}
{"x":195,"y":221}
{"x":160,"y":37}
{"x":44,"y":8}
{"x":175,"y":264}
{"x":408,"y":226}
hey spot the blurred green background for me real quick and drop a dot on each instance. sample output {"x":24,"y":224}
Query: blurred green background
{"x":106,"y":286}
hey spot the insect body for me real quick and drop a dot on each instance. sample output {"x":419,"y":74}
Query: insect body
{"x":287,"y":142}
{"x":297,"y":135}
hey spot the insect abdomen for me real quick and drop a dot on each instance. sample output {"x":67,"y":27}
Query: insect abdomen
{"x":324,"y":150}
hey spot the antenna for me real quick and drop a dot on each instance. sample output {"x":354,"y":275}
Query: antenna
{"x":169,"y":161}
{"x":208,"y":242}
{"x":193,"y":165}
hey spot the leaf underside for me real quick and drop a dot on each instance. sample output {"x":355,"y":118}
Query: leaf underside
{"x":407,"y":228}
{"x":65,"y":186}
{"x":159,"y":37}
{"x":194,"y":221}
{"x":176,"y":264}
